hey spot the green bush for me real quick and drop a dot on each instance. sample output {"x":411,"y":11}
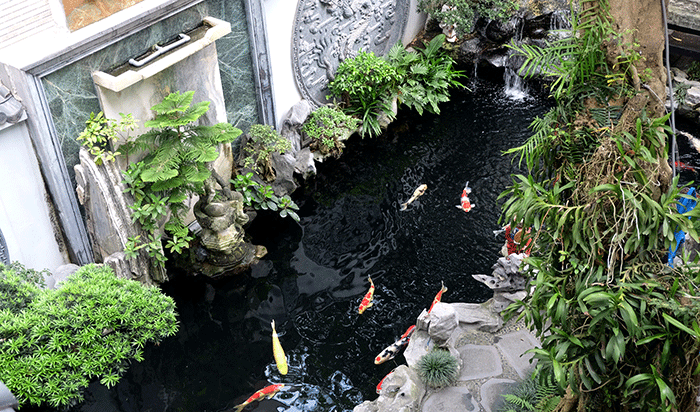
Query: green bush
{"x":463,"y":13}
{"x":427,"y":75}
{"x":261,"y":197}
{"x":262,"y":142}
{"x":324,"y":126}
{"x":177,"y":164}
{"x":54,"y":344}
{"x":366,"y":85}
{"x":438,"y":368}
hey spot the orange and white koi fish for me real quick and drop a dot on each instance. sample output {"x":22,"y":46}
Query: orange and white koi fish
{"x":379,"y":385}
{"x":416,"y":194}
{"x":266,"y":392}
{"x":438,"y":297}
{"x":392,"y":350}
{"x":278,"y":352}
{"x":367,"y":300}
{"x":465,"y":204}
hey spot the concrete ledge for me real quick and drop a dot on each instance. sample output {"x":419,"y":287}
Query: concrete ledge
{"x":218,"y":29}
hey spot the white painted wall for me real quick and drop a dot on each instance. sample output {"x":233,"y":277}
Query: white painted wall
{"x":24,"y":214}
{"x":279,"y":20}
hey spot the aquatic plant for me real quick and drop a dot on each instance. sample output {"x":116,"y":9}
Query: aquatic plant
{"x":56,"y":341}
{"x":366,"y":85}
{"x":179,"y":153}
{"x":616,"y":322}
{"x":438,"y":368}
{"x":427,"y":75}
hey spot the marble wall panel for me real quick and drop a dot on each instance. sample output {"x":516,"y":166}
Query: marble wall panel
{"x":71,"y":92}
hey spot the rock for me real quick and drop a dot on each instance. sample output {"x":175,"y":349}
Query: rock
{"x":506,"y":276}
{"x":135,"y":268}
{"x":305,"y":165}
{"x":291,"y":124}
{"x":478,"y":316}
{"x":402,"y":391}
{"x":443,"y":321}
{"x":60,"y":274}
{"x":500,"y":32}
{"x":108,"y":217}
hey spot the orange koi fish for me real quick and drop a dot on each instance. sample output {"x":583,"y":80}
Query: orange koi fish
{"x":392,"y":350}
{"x":367,"y":300}
{"x":465,"y":204}
{"x":266,"y":392}
{"x":443,"y":289}
{"x":278,"y":352}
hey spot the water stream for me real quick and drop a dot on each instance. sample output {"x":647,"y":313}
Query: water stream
{"x":315,"y":273}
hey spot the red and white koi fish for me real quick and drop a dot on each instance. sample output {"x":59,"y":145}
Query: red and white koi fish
{"x":392,"y":350}
{"x":278,"y":352}
{"x":416,"y":194}
{"x":367,"y":300}
{"x":438,"y":297}
{"x":266,"y":392}
{"x":684,"y":166}
{"x":379,"y":385}
{"x":465,"y":204}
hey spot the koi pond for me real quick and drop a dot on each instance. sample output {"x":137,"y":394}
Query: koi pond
{"x":316,"y":271}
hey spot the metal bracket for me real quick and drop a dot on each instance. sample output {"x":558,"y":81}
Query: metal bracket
{"x":160,"y":50}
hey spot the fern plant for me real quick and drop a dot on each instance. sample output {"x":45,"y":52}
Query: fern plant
{"x":178,"y":163}
{"x":534,"y":394}
{"x":427,"y":75}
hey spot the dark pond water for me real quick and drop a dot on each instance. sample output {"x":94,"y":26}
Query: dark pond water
{"x":315,"y":273}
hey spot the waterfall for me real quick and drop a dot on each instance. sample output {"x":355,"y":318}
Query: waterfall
{"x":515,"y":87}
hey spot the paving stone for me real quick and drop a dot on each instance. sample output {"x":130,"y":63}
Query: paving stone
{"x":491,"y":392}
{"x":513,"y":347}
{"x":452,"y":399}
{"x":479,"y":361}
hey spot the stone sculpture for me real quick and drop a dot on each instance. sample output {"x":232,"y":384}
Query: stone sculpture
{"x":222,"y":236}
{"x":328,"y":31}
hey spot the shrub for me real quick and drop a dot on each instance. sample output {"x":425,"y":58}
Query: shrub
{"x":324,"y":126}
{"x":92,"y":327}
{"x":366,"y":84}
{"x":262,"y":141}
{"x":438,"y":368}
{"x":463,"y":13}
{"x":177,"y":164}
{"x":263,"y":197}
{"x":427,"y":75}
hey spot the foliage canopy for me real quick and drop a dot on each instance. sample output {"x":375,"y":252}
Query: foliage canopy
{"x":618,"y":327}
{"x":54,"y":342}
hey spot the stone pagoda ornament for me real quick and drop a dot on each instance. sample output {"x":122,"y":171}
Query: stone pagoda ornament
{"x":326,"y":32}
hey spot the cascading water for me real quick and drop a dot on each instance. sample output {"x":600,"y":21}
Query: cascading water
{"x":513,"y":85}
{"x":315,"y":273}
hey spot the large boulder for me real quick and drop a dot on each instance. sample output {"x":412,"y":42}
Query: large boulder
{"x":108,"y":220}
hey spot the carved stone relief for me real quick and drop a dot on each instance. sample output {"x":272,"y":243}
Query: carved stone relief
{"x":326,"y":32}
